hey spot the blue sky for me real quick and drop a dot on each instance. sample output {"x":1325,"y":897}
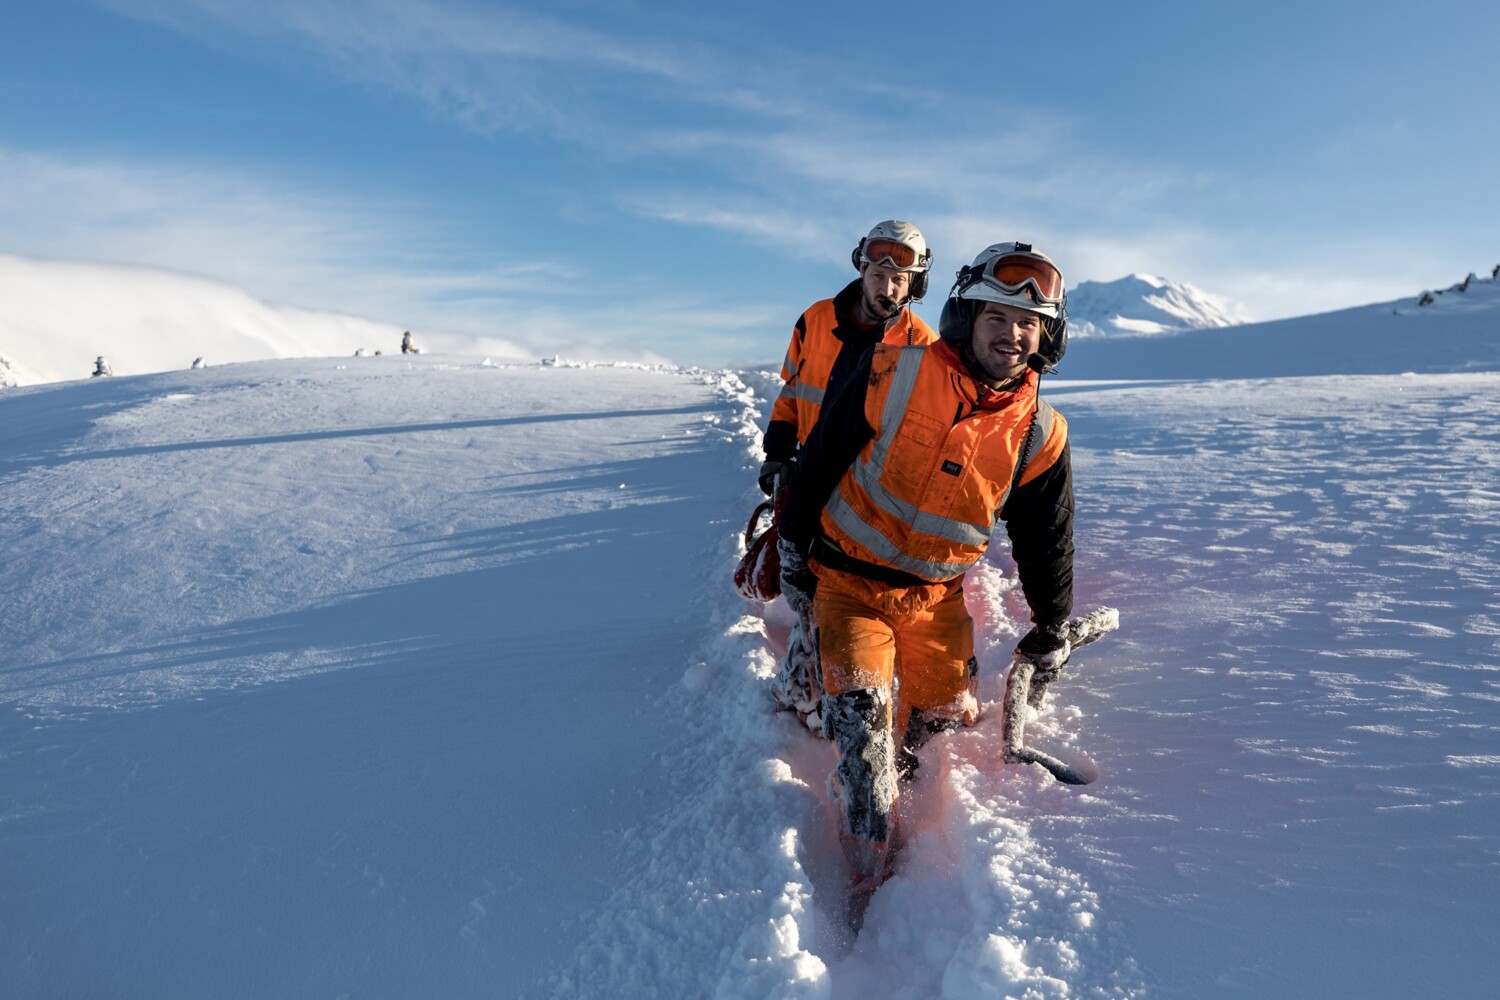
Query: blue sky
{"x":680,"y":179}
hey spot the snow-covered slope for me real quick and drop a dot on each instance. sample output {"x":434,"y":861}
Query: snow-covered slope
{"x":58,"y":316}
{"x":1457,"y":331}
{"x":391,"y":677}
{"x":385,"y":661}
{"x":1140,"y":305}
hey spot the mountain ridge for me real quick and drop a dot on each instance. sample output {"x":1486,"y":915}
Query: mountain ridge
{"x":61,"y":315}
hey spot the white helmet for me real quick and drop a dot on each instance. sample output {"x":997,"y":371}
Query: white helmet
{"x":1012,"y":274}
{"x":899,"y":245}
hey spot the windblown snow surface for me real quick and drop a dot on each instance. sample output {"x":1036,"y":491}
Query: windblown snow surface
{"x":386,"y":677}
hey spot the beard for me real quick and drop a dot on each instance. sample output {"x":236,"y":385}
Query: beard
{"x":879,"y":309}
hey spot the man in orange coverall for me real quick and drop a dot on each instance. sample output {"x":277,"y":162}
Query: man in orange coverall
{"x":912,"y":465}
{"x":829,"y":339}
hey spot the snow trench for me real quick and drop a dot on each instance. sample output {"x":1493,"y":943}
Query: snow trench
{"x":979,"y":907}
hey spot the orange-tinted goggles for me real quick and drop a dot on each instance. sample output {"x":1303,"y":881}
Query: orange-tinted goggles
{"x":1013,"y":271}
{"x":901,"y":255}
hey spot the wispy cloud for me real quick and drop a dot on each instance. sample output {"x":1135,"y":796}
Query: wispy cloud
{"x":278,"y":239}
{"x":774,"y":146}
{"x":289,"y":244}
{"x":421,"y":28}
{"x":488,"y":68}
{"x":768,"y":124}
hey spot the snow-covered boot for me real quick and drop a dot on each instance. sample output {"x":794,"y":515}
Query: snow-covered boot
{"x":798,"y":684}
{"x":863,"y":785}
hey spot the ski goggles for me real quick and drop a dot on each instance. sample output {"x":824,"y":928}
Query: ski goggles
{"x":1013,"y":272}
{"x":902,"y":256}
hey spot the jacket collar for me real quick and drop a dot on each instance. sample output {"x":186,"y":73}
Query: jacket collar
{"x":976,"y":393}
{"x":846,"y":327}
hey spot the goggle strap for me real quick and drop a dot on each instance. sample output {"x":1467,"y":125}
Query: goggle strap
{"x":966,"y":278}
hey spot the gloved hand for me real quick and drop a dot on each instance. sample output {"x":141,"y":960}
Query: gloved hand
{"x":798,"y":584}
{"x":769,"y":470}
{"x":1047,"y":649}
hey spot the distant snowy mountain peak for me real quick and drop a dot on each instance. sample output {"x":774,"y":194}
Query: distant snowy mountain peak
{"x":1140,"y":305}
{"x":1388,"y":338}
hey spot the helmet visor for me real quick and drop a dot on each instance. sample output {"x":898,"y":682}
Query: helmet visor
{"x":1013,"y":272}
{"x":902,"y":256}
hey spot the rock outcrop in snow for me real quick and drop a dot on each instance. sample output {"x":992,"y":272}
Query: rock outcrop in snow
{"x":1485,"y":294}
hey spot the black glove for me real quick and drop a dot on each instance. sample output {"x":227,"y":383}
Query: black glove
{"x":769,"y":470}
{"x":1047,"y":649}
{"x":798,"y":583}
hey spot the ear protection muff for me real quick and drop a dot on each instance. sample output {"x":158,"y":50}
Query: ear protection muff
{"x":956,"y":323}
{"x":1054,"y":341}
{"x":918,"y":287}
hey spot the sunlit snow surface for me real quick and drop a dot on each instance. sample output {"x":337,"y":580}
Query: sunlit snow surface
{"x":388,"y":678}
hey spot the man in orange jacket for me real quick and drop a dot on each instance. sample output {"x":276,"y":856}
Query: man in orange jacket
{"x":914,"y":463}
{"x":828,"y":340}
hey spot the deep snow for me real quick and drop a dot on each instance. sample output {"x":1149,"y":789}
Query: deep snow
{"x":389,"y":677}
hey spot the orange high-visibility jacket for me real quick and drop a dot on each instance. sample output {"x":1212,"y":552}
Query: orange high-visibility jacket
{"x":926,"y":491}
{"x":824,"y":348}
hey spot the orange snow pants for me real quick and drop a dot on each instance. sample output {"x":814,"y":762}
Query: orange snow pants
{"x":885,"y":652}
{"x":917,"y":643}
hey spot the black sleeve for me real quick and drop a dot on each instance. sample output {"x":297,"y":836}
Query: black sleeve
{"x":780,"y":442}
{"x":835,"y":441}
{"x":1039,"y":519}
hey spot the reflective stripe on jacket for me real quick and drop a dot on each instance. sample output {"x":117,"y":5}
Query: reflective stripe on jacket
{"x":824,"y":347}
{"x":926,"y":491}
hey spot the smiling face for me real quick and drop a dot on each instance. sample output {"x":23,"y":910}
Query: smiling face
{"x":1004,"y":339}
